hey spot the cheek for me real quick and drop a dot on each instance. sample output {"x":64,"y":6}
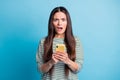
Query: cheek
{"x":65,"y":28}
{"x":65,"y":25}
{"x":54,"y":24}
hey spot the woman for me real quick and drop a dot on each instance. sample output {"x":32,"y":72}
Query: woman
{"x":58,"y":65}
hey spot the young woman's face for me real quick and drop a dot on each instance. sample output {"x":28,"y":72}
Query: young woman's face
{"x":60,"y":23}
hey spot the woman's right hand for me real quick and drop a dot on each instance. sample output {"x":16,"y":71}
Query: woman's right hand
{"x":54,"y":60}
{"x":48,"y":65}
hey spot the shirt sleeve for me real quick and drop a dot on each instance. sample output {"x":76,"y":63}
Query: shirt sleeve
{"x":79,"y":53}
{"x":39,"y":55}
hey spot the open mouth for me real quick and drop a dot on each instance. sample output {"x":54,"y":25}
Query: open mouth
{"x":59,"y":28}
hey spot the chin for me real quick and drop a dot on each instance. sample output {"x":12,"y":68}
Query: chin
{"x":60,"y":33}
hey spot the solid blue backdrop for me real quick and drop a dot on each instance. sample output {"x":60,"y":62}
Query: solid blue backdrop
{"x":24,"y":22}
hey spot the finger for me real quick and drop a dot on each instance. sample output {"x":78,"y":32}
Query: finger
{"x":61,"y":58}
{"x":63,"y":55}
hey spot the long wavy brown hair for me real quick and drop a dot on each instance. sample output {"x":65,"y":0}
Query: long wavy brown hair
{"x":68,"y":39}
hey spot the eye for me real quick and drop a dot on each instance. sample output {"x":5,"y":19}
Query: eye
{"x":63,"y":19}
{"x":55,"y":19}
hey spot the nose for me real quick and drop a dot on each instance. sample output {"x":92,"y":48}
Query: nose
{"x":59,"y":22}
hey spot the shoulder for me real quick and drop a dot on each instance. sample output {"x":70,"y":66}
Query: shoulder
{"x":42,"y":40}
{"x":77,"y":39}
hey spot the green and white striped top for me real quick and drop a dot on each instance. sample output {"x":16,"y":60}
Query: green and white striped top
{"x":58,"y":70}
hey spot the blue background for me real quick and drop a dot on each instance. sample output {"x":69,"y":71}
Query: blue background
{"x":24,"y":22}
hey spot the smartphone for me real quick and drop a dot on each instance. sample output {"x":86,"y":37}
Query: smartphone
{"x":60,"y":47}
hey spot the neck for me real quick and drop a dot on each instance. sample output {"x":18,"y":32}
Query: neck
{"x":59,"y":36}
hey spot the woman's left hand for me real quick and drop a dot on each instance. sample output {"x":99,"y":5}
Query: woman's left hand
{"x":62,"y":56}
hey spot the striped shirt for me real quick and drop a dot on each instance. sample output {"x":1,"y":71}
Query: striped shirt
{"x":58,"y":70}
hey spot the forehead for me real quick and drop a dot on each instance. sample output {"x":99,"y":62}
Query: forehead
{"x":59,"y":15}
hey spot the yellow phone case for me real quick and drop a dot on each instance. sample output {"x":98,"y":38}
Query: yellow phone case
{"x":60,"y":47}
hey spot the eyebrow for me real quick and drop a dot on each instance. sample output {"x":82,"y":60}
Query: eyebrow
{"x":58,"y":18}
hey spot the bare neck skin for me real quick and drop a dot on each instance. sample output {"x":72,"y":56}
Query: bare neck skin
{"x":59,"y":35}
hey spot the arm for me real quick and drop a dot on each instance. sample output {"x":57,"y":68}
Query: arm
{"x":44,"y":67}
{"x":77,"y":65}
{"x":64,"y":58}
{"x":48,"y":65}
{"x":74,"y":66}
{"x":79,"y":53}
